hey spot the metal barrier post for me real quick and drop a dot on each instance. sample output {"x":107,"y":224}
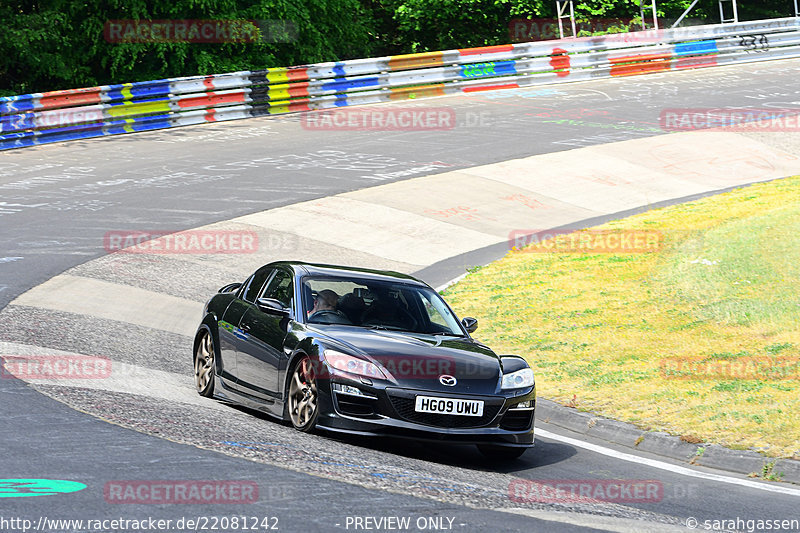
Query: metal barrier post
{"x":651,"y":7}
{"x":561,"y":8}
{"x":735,"y":17}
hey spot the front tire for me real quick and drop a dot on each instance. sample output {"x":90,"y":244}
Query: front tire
{"x":302,"y":400}
{"x":204,"y":365}
{"x":501,"y":453}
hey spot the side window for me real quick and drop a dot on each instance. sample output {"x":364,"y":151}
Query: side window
{"x":441,"y":319}
{"x":434,"y":315}
{"x":280,"y":288}
{"x":256,"y":283}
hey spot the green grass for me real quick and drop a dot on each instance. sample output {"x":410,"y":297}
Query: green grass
{"x":754,"y":275}
{"x":722,"y":290}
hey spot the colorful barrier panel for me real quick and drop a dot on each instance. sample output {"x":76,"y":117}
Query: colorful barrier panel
{"x":54,"y":116}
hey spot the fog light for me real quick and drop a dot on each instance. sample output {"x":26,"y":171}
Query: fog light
{"x":352,"y":391}
{"x":527,"y":404}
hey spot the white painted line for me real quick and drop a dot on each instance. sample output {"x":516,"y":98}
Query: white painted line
{"x":451,"y":282}
{"x":675,"y":469}
{"x":597,"y":522}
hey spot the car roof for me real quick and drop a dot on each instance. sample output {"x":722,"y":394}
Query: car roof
{"x":316,"y":269}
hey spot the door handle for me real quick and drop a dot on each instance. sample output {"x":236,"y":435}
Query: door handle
{"x":245,"y":328}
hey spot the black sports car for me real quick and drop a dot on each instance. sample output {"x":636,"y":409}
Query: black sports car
{"x":362,"y":352}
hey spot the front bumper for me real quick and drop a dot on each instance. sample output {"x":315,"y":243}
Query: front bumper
{"x":389,"y":412}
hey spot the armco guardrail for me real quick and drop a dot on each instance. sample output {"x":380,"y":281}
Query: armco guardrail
{"x":40,"y":118}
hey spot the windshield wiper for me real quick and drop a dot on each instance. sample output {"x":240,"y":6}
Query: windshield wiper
{"x":384,"y":327}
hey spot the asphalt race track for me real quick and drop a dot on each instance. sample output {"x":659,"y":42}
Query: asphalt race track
{"x":57,"y":202}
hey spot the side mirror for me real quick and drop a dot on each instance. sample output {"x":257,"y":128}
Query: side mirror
{"x":469,"y":323}
{"x":272,"y":306}
{"x":230,"y":287}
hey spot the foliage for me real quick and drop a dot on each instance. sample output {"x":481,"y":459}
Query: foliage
{"x":446,"y":24}
{"x":60,"y":44}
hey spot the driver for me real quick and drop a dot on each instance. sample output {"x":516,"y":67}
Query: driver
{"x":324,"y":309}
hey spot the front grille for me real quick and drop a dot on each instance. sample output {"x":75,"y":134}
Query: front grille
{"x":405,"y":408}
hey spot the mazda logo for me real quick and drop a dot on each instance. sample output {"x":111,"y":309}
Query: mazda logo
{"x":447,"y":381}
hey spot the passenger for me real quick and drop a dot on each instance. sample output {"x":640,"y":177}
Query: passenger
{"x":352,"y":306}
{"x":387,"y":310}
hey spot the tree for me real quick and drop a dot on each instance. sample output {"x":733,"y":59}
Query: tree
{"x":61,"y":44}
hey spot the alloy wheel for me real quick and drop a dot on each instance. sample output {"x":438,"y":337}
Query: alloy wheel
{"x":303,"y":395}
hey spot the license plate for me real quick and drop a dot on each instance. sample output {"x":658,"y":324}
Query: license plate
{"x":448,"y":406}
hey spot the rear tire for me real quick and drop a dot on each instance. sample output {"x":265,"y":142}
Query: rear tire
{"x":501,"y":453}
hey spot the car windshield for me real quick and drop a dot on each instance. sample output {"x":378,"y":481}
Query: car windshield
{"x":389,"y":305}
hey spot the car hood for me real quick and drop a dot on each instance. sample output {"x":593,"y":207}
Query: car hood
{"x":417,"y":361}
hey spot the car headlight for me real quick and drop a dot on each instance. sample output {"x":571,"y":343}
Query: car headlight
{"x":518,"y":380}
{"x":354,"y":365}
